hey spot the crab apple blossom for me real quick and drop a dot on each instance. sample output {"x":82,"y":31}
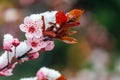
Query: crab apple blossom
{"x":10,"y":42}
{"x":32,"y":28}
{"x":36,"y":44}
{"x":33,"y":56}
{"x":7,"y":71}
{"x":41,"y":30}
{"x":7,"y":46}
{"x":50,"y":45}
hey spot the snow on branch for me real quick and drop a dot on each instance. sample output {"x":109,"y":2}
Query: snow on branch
{"x":40,"y":31}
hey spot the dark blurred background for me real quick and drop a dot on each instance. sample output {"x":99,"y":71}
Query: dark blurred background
{"x":95,"y":57}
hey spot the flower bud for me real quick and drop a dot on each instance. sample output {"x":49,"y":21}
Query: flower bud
{"x":15,"y":42}
{"x":33,"y":56}
{"x":7,"y":46}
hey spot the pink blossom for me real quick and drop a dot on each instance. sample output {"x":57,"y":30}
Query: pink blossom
{"x":47,"y":74}
{"x":15,"y":42}
{"x":7,"y":45}
{"x":33,"y":56}
{"x":50,"y":45}
{"x":36,"y":44}
{"x":40,"y":75}
{"x":7,"y":71}
{"x":32,"y":28}
{"x":2,"y":65}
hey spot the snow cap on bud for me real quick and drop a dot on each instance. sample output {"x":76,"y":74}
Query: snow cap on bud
{"x":47,"y":74}
{"x":7,"y":46}
{"x":7,"y":43}
{"x":15,"y":42}
{"x":8,"y":37}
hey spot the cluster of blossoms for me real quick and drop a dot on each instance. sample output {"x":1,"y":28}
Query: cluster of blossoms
{"x":40,"y":30}
{"x":46,"y":74}
{"x":34,"y":35}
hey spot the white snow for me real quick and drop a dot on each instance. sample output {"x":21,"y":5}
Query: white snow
{"x":31,"y":78}
{"x":48,"y":17}
{"x":50,"y":73}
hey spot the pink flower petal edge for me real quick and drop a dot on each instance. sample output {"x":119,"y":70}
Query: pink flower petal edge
{"x":50,"y":45}
{"x":33,"y":56}
{"x":40,"y":75}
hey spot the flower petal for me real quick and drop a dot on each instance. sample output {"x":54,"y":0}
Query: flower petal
{"x":23,"y":28}
{"x":38,"y":34}
{"x":42,"y":44}
{"x":50,"y":45}
{"x":27,"y":20}
{"x":33,"y":56}
{"x":39,"y":24}
{"x":29,"y":35}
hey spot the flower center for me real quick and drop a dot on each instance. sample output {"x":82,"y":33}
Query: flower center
{"x":34,"y":44}
{"x":31,"y":29}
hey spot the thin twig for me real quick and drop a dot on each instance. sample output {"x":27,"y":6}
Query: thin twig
{"x":8,"y":57}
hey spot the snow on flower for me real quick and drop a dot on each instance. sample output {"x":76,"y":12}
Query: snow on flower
{"x":8,"y":37}
{"x":7,"y":46}
{"x":7,"y":42}
{"x":46,"y":74}
{"x":48,"y":17}
{"x":40,"y":30}
{"x":21,"y":49}
{"x":32,"y":28}
{"x":50,"y":74}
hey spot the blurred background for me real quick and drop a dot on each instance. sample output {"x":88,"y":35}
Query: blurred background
{"x":95,"y":57}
